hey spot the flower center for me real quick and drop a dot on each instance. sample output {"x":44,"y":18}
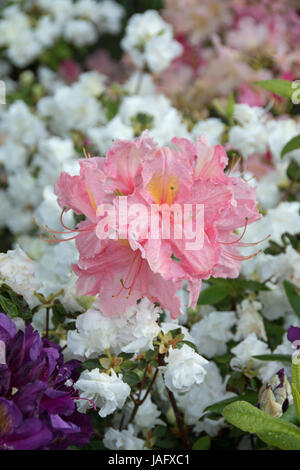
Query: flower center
{"x":163,"y":189}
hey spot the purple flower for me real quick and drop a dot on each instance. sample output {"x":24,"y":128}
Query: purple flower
{"x":37,"y":409}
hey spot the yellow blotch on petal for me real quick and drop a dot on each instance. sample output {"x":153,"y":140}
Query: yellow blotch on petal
{"x":163,"y":190}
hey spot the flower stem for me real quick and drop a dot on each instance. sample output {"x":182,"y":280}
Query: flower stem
{"x":47,"y":322}
{"x":179,"y":420}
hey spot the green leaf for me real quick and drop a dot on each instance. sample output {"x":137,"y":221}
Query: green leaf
{"x":224,"y":359}
{"x":296,"y":385}
{"x":293,"y":295}
{"x":202,"y":444}
{"x":91,"y":364}
{"x":275,"y":332}
{"x":273,"y":431}
{"x":277,"y":86}
{"x":250,"y":397}
{"x":230,"y":107}
{"x":188,"y":343}
{"x":131,"y":378}
{"x":59,"y":314}
{"x":296,"y":374}
{"x":296,"y":397}
{"x":212,"y":295}
{"x":248,"y":284}
{"x":216,"y":103}
{"x":237,"y":383}
{"x":293,"y":171}
{"x":8,"y":306}
{"x":128,"y":364}
{"x":291,"y":145}
{"x":274,"y":357}
{"x":290,"y":415}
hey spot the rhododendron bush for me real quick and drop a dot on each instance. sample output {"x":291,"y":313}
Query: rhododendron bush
{"x":149,"y":227}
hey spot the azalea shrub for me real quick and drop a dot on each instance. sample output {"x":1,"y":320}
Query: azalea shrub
{"x":149,"y":227}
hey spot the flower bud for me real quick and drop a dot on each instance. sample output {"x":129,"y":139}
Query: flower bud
{"x":275,"y":395}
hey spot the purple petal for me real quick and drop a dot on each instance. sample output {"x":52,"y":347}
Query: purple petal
{"x":7,"y":328}
{"x":293,"y":335}
{"x":31,"y":435}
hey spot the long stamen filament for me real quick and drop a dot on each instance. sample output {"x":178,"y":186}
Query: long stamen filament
{"x":238,"y":239}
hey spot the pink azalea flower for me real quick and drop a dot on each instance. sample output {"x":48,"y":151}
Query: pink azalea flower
{"x":119,"y":276}
{"x":194,"y":174}
{"x":122,"y":269}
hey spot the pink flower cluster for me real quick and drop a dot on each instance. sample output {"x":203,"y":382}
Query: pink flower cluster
{"x":120,"y":271}
{"x":233,"y":44}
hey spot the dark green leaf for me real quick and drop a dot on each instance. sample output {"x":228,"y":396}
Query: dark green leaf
{"x":131,"y":378}
{"x":203,"y":443}
{"x":250,"y":397}
{"x":91,"y":364}
{"x":189,"y":343}
{"x":237,"y":383}
{"x":293,"y":171}
{"x":212,"y":295}
{"x":128,"y":365}
{"x":293,"y":294}
{"x":291,"y":145}
{"x":274,"y":357}
{"x":252,"y":285}
{"x":8,"y":306}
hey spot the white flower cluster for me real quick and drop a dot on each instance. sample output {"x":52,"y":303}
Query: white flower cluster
{"x":184,"y":368}
{"x":149,"y":41}
{"x":36,"y":147}
{"x":123,"y":440}
{"x":163,"y":121}
{"x":275,"y":269}
{"x":107,"y":391}
{"x":255,"y":132}
{"x":199,"y":397}
{"x":18,"y":272}
{"x":133,"y":332}
{"x":213,"y":332}
{"x":26,"y":36}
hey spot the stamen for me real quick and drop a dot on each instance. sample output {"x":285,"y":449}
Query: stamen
{"x":243,"y":258}
{"x":49,"y":231}
{"x":85,"y":153}
{"x":250,"y":179}
{"x":233,"y":164}
{"x":254,"y":243}
{"x":61,"y":220}
{"x":58,"y":240}
{"x":128,"y":274}
{"x":238,"y":239}
{"x":132,"y":284}
{"x":135,"y":278}
{"x":87,"y":399}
